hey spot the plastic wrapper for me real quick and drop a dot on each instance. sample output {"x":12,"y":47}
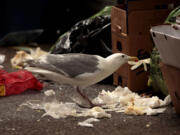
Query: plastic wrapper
{"x":92,"y":36}
{"x":17,"y":82}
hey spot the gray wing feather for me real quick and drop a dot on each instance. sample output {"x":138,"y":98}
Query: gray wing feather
{"x":44,"y":65}
{"x":70,"y":65}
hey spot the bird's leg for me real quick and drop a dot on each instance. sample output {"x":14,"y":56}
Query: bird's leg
{"x":85,"y":97}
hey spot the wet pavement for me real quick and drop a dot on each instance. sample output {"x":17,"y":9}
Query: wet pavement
{"x":30,"y":122}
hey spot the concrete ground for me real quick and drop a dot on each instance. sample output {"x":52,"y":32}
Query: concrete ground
{"x":30,"y":122}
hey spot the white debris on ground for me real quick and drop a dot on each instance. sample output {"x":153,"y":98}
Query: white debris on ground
{"x":88,"y":122}
{"x":2,"y":59}
{"x":49,"y":92}
{"x":58,"y":109}
{"x":119,"y":100}
{"x":137,"y":64}
{"x":96,"y":112}
{"x":19,"y":59}
{"x":123,"y":100}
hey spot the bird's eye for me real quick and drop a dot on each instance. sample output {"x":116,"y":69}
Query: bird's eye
{"x":123,"y":56}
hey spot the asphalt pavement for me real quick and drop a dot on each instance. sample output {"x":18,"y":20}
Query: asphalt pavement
{"x":31,"y":122}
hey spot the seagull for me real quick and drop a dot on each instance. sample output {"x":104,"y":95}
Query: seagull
{"x":76,"y":69}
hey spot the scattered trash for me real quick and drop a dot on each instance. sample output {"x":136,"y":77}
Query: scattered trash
{"x":37,"y":53}
{"x":124,"y":100}
{"x":97,"y":112}
{"x":2,"y":59}
{"x":49,"y":93}
{"x":18,"y":61}
{"x":58,"y":110}
{"x":88,"y":122}
{"x":17,"y":82}
{"x":119,"y":100}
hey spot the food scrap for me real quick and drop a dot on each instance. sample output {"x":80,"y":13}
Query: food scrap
{"x":18,"y":61}
{"x":124,"y":100}
{"x":136,"y":64}
{"x":88,"y":122}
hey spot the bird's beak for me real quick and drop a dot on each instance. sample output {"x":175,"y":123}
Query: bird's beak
{"x":132,"y":58}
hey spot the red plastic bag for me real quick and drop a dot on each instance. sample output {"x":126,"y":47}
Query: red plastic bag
{"x":17,"y":82}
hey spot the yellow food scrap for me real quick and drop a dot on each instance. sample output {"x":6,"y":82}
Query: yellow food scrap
{"x":134,"y":110}
{"x":18,"y":61}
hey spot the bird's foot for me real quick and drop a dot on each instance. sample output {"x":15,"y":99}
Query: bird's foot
{"x":91,"y":104}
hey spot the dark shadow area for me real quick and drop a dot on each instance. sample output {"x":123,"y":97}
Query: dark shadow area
{"x":53,"y":16}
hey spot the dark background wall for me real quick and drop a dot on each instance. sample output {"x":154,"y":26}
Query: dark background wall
{"x":18,"y":15}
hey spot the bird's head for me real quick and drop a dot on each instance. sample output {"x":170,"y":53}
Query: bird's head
{"x":120,"y":58}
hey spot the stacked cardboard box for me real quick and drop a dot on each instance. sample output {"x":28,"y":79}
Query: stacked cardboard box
{"x":130,"y":24}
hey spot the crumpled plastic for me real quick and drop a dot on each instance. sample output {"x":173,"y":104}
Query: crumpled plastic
{"x":17,"y":82}
{"x":90,"y":36}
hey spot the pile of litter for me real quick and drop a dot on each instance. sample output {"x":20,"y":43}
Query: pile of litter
{"x":21,"y":57}
{"x":124,"y":100}
{"x":119,"y":100}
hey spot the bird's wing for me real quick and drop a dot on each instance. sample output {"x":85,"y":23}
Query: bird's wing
{"x":70,"y":65}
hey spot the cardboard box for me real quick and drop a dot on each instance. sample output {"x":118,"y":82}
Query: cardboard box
{"x":130,"y":27}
